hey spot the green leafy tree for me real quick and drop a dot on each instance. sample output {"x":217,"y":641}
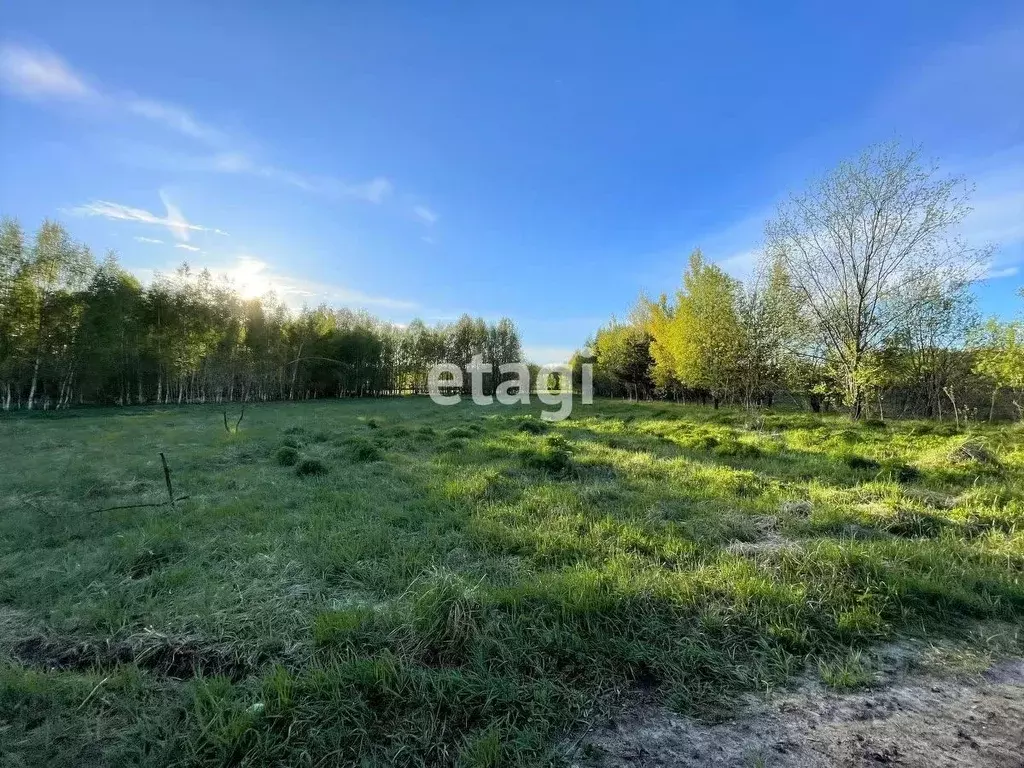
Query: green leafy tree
{"x":856,"y":245}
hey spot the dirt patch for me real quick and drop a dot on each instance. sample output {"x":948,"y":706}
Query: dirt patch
{"x":925,"y":721}
{"x":178,"y":658}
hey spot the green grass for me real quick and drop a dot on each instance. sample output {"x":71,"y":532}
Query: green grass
{"x":393,"y":582}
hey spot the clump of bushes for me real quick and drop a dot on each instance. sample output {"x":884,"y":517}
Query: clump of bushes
{"x":459,"y":432}
{"x":310,"y":466}
{"x":287,"y":455}
{"x":372,"y":423}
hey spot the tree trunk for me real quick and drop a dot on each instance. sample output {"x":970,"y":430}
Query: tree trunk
{"x":295,"y":372}
{"x":857,"y":405}
{"x":35,"y":380}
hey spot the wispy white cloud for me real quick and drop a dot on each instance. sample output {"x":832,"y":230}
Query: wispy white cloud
{"x":999,"y":272}
{"x":174,"y":220}
{"x":425,"y":215}
{"x":373,"y":191}
{"x":39,"y":74}
{"x":148,"y":240}
{"x":175,"y":118}
{"x":186,"y":247}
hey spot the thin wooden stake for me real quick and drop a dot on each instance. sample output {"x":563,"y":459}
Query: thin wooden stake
{"x":167,"y":479}
{"x":241,"y":415}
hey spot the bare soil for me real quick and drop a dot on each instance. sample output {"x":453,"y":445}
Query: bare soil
{"x":915,"y":720}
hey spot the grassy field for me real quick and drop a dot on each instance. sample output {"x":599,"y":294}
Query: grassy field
{"x":393,"y":582}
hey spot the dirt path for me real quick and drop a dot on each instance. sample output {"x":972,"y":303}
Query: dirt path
{"x":932,"y":722}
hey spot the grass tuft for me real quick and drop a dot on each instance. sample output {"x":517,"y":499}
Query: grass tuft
{"x":533,"y":427}
{"x":853,"y":461}
{"x":363,"y":450}
{"x":310,"y":466}
{"x":287,"y":456}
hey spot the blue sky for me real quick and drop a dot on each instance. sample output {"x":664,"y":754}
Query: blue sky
{"x":547,"y":161}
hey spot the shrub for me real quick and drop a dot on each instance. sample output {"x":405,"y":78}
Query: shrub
{"x":372,"y":423}
{"x":287,"y":456}
{"x":458,"y":432}
{"x":310,"y":467}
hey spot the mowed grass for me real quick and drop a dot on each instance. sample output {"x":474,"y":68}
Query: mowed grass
{"x":396,"y":583}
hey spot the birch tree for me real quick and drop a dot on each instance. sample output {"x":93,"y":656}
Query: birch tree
{"x":855,"y":244}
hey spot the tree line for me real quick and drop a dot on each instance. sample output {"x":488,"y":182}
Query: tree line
{"x":75,"y":330}
{"x":861,"y":300}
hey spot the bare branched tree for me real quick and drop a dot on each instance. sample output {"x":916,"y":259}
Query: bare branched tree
{"x":856,"y":245}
